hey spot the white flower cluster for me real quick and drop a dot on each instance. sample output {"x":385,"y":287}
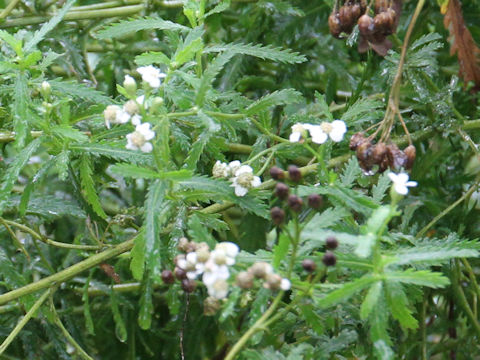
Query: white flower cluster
{"x":151,"y":75}
{"x":319,"y":133}
{"x":401,"y":182}
{"x":241,"y":176}
{"x":213,"y":266}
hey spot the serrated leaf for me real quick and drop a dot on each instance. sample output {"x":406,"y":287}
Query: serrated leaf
{"x":88,"y":186}
{"x":14,"y":43}
{"x":68,"y":132}
{"x":197,"y":150}
{"x":61,"y":162}
{"x":421,"y":277}
{"x":431,"y":254}
{"x":371,"y":299}
{"x":280,"y":250}
{"x":188,"y":51}
{"x":11,"y":174}
{"x":280,"y":97}
{"x":351,"y":172}
{"x":361,"y":111}
{"x":378,"y":321}
{"x":120,"y":328}
{"x":47,"y":27}
{"x":152,"y":57}
{"x":312,"y":318}
{"x":346,"y":291}
{"x":198,"y":232}
{"x":146,"y":304}
{"x":20,"y":104}
{"x":221,"y":7}
{"x":136,"y":172}
{"x":137,"y":255}
{"x":397,"y":302}
{"x":110,"y":150}
{"x":228,"y":308}
{"x":379,"y":190}
{"x":80,"y":91}
{"x":263,"y":52}
{"x":129,"y":26}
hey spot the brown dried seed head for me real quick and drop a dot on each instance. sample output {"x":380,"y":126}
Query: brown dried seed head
{"x":411,"y":153}
{"x":294,"y":173}
{"x":315,"y":201}
{"x":334,"y":25}
{"x":379,"y":152}
{"x":180,"y":274}
{"x":189,"y":286}
{"x":260,"y":269}
{"x":347,"y":20}
{"x":396,"y":157}
{"x":183,"y":244}
{"x":281,"y":191}
{"x":309,"y":265}
{"x":278,"y":215}
{"x":365,"y":25}
{"x":277,"y":173}
{"x":356,"y":140}
{"x":167,"y":277}
{"x":295,"y":203}
{"x":329,"y":259}
{"x":272,"y":281}
{"x":244,"y":280}
{"x":331,"y":242}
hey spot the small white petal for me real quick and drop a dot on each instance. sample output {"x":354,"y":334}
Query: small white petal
{"x":411,"y":183}
{"x":240,"y":190}
{"x":136,"y":120}
{"x":256,"y":182}
{"x":122,"y":117}
{"x":147,"y":147}
{"x":295,"y":137}
{"x":401,"y":189}
{"x":338,"y":130}
{"x":243,"y":170}
{"x":317,"y":134}
{"x":285,"y":284}
{"x":392,"y":176}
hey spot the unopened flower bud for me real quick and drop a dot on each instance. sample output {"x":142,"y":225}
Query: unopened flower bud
{"x":189,"y":286}
{"x":281,"y":191}
{"x":295,"y":203}
{"x":202,"y":254}
{"x":294,"y":173}
{"x":331,"y":242}
{"x":329,"y":259}
{"x":167,"y":277}
{"x":272,"y":281}
{"x":180,"y":274}
{"x":130,"y":85}
{"x":315,"y":201}
{"x":260,"y":269}
{"x":211,"y":306}
{"x":309,"y":265}
{"x":46,"y":89}
{"x":276,"y":173}
{"x":278,"y":215}
{"x":244,"y":280}
{"x":131,"y":107}
{"x":182,"y":244}
{"x":411,"y":153}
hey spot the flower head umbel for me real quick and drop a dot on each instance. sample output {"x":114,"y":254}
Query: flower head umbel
{"x":299,"y":131}
{"x":401,"y":183}
{"x":335,"y":130}
{"x":245,"y":180}
{"x":151,"y":75}
{"x":139,"y":139}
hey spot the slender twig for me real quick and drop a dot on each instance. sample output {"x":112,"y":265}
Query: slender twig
{"x":17,"y":242}
{"x":23,"y":321}
{"x":11,"y":5}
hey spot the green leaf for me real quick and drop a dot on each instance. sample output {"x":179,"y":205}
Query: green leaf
{"x":371,"y":299}
{"x":397,"y":302}
{"x":137,"y":264}
{"x":68,"y":132}
{"x":88,"y":186}
{"x":120,"y":328}
{"x":20,"y":105}
{"x":188,"y":51}
{"x":351,"y":172}
{"x":61,"y":162}
{"x":136,"y":172}
{"x":346,"y":291}
{"x":281,"y":97}
{"x":379,"y":190}
{"x":80,"y":91}
{"x":89,"y":324}
{"x":146,"y":304}
{"x":378,"y":221}
{"x":197,"y":150}
{"x":378,"y":321}
{"x":11,"y":174}
{"x":422,"y":277}
{"x":198,"y":232}
{"x":229,"y":307}
{"x":364,"y":245}
{"x":311,"y":318}
{"x":152,"y":57}
{"x":47,"y":27}
{"x":221,"y":7}
{"x":126,"y":27}
{"x":321,"y":104}
{"x":362,"y":110}
{"x":14,"y":43}
{"x":110,"y":150}
{"x":263,"y":52}
{"x":280,"y":250}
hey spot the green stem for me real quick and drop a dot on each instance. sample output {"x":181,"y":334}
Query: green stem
{"x":17,"y":242}
{"x":11,"y":5}
{"x":105,"y":5}
{"x":23,"y":321}
{"x":471,"y":275}
{"x":268,"y":133}
{"x":51,"y":242}
{"x":259,"y":325}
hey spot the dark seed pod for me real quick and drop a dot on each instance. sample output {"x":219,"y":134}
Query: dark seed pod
{"x":379,"y":153}
{"x":381,"y":6}
{"x":380,"y":23}
{"x":411,"y":153}
{"x":315,"y":201}
{"x":167,"y":277}
{"x":244,"y":280}
{"x":364,"y":152}
{"x":329,"y":259}
{"x":180,"y":274}
{"x":278,"y":215}
{"x":189,"y":286}
{"x":334,"y":25}
{"x":356,"y":12}
{"x":294,"y":173}
{"x":365,"y":25}
{"x":331,"y":242}
{"x":356,"y":140}
{"x":276,"y":173}
{"x":281,"y":191}
{"x":309,"y":265}
{"x":396,"y":157}
{"x":295,"y":203}
{"x":347,"y":20}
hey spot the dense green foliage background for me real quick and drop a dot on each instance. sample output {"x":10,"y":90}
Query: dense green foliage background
{"x":237,"y":79}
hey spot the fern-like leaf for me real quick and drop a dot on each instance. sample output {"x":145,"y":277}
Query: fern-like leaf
{"x":129,"y":26}
{"x":281,"y":97}
{"x":88,"y":186}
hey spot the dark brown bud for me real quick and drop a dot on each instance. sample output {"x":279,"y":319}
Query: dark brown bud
{"x":365,"y":25}
{"x":396,"y":157}
{"x":188,"y":285}
{"x":347,"y":20}
{"x":278,"y":215}
{"x":167,"y":277}
{"x":364,"y":152}
{"x":356,"y":12}
{"x":294,"y":173}
{"x":281,"y":191}
{"x":381,"y":6}
{"x":356,"y":140}
{"x":277,"y":173}
{"x":379,"y":152}
{"x":329,"y":259}
{"x":309,"y":265}
{"x":244,"y":280}
{"x":411,"y":153}
{"x":295,"y":203}
{"x":180,"y":274}
{"x":315,"y":201}
{"x":334,"y":25}
{"x":331,"y":242}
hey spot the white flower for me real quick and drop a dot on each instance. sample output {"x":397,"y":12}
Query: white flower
{"x":319,"y":133}
{"x":189,"y":264}
{"x":285,"y":284}
{"x":129,"y":82}
{"x":232,"y":167}
{"x":401,"y":183}
{"x":122,"y":117}
{"x":230,"y":249}
{"x":110,"y":114}
{"x":213,"y":272}
{"x":136,"y":120}
{"x":298,"y":130}
{"x":219,"y":289}
{"x":220,"y":170}
{"x":140,"y":137}
{"x":151,"y":75}
{"x":245,"y":180}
